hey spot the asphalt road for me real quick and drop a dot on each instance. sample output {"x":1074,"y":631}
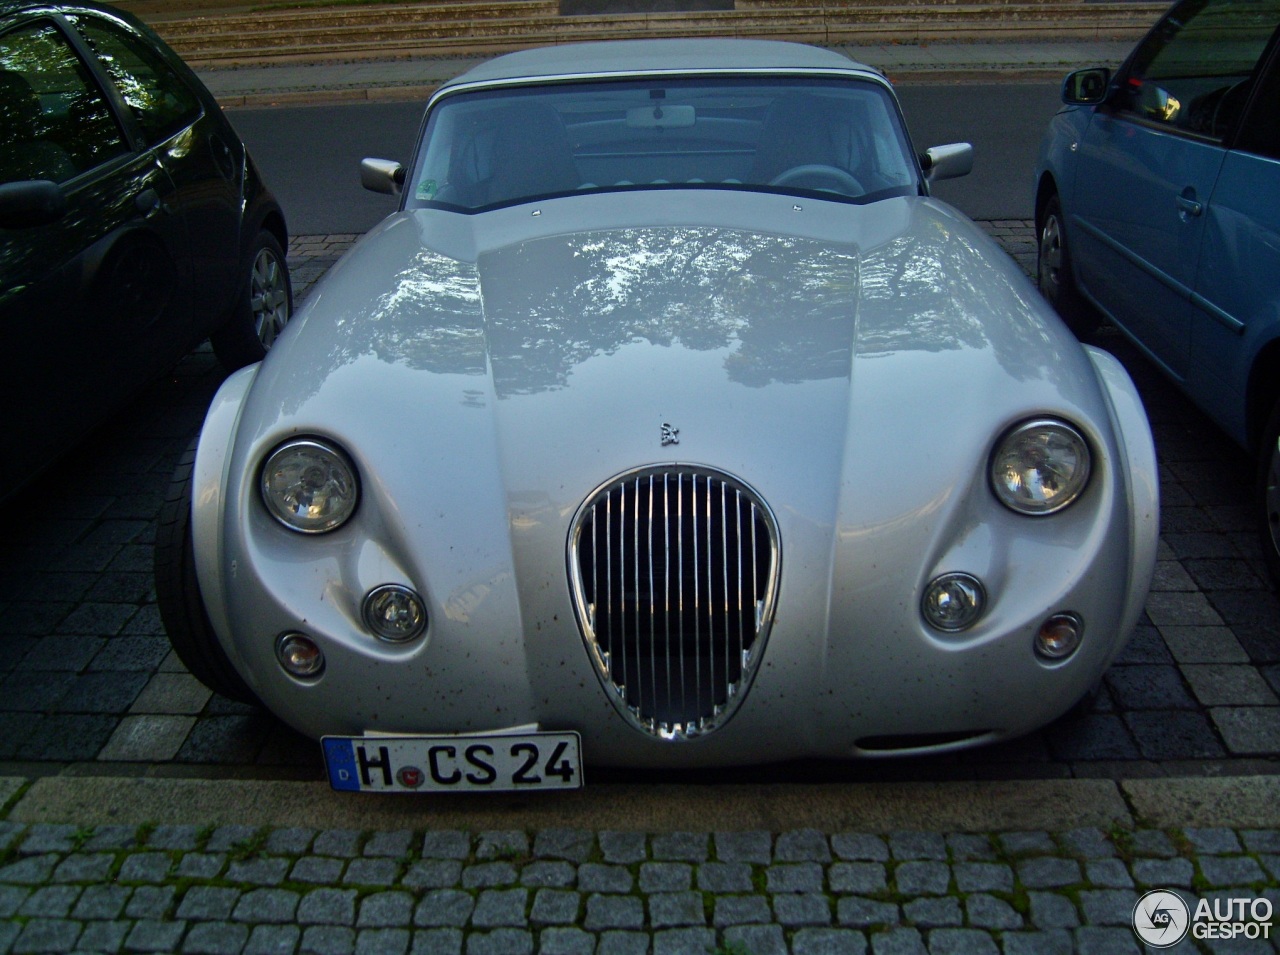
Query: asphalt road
{"x":1005,"y":123}
{"x":310,"y":154}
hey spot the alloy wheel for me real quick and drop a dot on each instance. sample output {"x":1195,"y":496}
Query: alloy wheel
{"x":268,"y":297}
{"x":1050,"y":264}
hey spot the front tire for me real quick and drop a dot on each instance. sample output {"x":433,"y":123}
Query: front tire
{"x":1054,"y":276}
{"x":178,"y":591}
{"x":1267,"y":494}
{"x":263,"y":307}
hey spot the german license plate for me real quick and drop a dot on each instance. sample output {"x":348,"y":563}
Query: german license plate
{"x":492,"y":763}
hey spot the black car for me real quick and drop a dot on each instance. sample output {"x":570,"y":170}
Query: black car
{"x":133,"y":225}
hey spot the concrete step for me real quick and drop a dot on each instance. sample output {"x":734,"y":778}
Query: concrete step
{"x":464,"y":27}
{"x":358,"y":17}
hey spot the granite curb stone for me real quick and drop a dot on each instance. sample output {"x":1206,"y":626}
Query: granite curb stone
{"x":230,"y":914}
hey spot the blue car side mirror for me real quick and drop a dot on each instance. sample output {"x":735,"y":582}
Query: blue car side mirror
{"x":1086,"y":87}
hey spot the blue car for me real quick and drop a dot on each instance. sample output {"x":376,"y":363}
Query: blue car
{"x":1158,"y":208}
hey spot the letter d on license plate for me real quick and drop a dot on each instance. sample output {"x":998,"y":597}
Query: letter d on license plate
{"x":453,"y":763}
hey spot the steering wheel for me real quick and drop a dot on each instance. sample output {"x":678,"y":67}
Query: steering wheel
{"x":844,"y":182}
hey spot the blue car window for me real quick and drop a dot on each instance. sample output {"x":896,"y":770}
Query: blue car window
{"x":54,"y":122}
{"x":1194,"y":72}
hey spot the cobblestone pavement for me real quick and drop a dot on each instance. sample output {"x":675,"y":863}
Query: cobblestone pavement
{"x":237,"y":889}
{"x":87,"y":682}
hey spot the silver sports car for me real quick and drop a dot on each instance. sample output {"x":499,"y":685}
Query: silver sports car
{"x":670,"y":422}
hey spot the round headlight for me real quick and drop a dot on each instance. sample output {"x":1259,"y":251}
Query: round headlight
{"x":1040,"y":467}
{"x":309,"y":486}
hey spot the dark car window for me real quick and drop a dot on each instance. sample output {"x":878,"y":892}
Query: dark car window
{"x":838,"y":139}
{"x":160,"y":101}
{"x":54,"y":121}
{"x":1194,"y":72}
{"x":1261,"y":132}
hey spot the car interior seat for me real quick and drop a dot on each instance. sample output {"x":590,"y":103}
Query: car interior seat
{"x":532,"y":155}
{"x":797,"y":131}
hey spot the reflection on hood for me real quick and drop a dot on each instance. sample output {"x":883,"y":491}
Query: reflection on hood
{"x":782,"y":308}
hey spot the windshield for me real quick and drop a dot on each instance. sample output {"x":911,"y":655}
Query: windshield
{"x":839,"y":139}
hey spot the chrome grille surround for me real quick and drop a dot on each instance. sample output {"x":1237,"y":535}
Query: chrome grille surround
{"x":674,"y":574}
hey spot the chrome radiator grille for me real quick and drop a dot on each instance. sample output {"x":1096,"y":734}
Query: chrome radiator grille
{"x":674,"y":575}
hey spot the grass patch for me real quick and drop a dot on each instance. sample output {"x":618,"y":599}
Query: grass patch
{"x":80,"y":837}
{"x":250,"y":848}
{"x":1122,"y":839}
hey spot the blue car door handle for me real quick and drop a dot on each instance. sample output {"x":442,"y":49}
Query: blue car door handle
{"x":1188,"y":206}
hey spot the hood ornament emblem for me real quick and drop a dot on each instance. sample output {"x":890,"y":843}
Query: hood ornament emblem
{"x":670,"y":435}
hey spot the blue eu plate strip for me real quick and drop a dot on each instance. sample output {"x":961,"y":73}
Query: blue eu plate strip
{"x":340,"y":758}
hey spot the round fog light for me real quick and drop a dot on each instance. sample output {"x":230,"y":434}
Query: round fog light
{"x":1059,"y":637}
{"x":394,"y":613}
{"x":299,"y":656}
{"x":953,"y":602}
